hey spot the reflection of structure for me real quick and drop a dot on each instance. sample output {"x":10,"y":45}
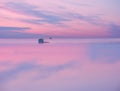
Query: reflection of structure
{"x":50,"y":37}
{"x":40,"y":41}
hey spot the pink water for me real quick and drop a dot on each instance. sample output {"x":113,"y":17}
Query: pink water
{"x":60,"y":65}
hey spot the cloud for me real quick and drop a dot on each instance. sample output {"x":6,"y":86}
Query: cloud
{"x":13,"y":28}
{"x":49,"y":21}
{"x":114,"y":30}
{"x":13,"y":32}
{"x":42,"y":15}
{"x":92,"y":19}
{"x":16,"y":32}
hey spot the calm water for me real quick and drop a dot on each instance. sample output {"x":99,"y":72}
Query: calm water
{"x":60,"y":65}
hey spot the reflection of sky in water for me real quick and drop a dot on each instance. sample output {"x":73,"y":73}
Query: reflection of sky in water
{"x":108,"y":52}
{"x":59,"y":66}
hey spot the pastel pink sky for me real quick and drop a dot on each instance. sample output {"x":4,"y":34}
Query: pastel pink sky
{"x":59,"y":18}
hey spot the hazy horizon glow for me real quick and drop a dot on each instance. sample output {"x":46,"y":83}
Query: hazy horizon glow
{"x":66,"y":18}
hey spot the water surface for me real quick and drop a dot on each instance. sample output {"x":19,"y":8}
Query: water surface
{"x":60,"y":65}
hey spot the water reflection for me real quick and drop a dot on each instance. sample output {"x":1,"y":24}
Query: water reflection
{"x":59,"y":66}
{"x":107,"y":52}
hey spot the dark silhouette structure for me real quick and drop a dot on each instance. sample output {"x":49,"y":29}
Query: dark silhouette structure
{"x":40,"y":41}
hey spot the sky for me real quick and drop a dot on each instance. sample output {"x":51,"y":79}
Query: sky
{"x":59,"y":18}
